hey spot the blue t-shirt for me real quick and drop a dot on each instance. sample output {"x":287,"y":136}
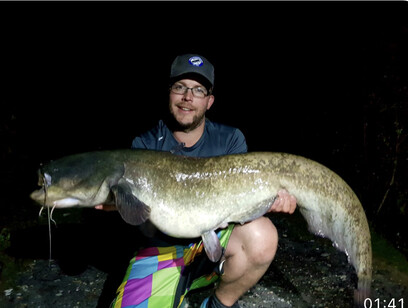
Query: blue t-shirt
{"x":217,"y":139}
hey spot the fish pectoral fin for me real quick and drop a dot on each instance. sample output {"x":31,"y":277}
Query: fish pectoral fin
{"x":212,"y":245}
{"x":132,"y":210}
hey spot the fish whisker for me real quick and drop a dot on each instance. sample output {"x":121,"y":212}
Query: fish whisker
{"x":39,"y":214}
{"x":49,"y":215}
{"x":52,"y":212}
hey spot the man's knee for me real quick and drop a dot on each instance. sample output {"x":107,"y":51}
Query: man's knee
{"x":259,"y":240}
{"x":264,"y":241}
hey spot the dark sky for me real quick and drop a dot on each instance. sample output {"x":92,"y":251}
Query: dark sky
{"x":293,"y":76}
{"x":314,"y":79}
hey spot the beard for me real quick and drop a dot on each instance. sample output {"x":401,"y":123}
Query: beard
{"x":176,"y":125}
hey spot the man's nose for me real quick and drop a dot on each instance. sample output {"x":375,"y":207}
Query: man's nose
{"x":188,"y":95}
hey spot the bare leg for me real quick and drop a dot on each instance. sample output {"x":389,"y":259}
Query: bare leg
{"x":249,"y":253}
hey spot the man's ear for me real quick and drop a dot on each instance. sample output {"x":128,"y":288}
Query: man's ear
{"x":210,"y":101}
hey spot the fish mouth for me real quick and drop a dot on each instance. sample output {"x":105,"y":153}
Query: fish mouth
{"x":66,"y":202}
{"x":38,"y":195}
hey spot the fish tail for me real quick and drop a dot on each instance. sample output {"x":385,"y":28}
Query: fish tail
{"x":362,"y":292}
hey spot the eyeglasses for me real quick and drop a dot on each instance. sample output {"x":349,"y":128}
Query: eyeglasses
{"x":199,"y":92}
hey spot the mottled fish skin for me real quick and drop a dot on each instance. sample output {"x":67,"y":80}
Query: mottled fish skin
{"x":187,"y":197}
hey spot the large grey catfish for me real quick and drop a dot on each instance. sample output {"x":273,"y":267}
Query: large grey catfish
{"x":189,"y":197}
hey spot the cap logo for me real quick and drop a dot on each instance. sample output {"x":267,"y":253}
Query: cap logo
{"x":196,"y":61}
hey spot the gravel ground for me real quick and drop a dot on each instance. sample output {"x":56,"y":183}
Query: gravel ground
{"x":307,"y":272}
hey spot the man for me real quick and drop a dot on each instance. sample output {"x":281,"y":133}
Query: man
{"x":249,"y":248}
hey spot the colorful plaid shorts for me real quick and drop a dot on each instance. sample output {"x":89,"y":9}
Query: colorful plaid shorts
{"x":160,"y":277}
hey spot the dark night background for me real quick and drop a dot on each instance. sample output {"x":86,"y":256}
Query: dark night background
{"x":328,"y":81}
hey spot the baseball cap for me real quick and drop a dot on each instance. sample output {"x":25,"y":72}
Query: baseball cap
{"x":192,"y":64}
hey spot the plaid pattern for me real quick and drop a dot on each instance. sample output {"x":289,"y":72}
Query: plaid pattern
{"x":153,"y":276}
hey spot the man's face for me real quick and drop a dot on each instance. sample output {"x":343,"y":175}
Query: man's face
{"x":187,"y":109}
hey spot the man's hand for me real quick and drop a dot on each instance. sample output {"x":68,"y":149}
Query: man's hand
{"x":284,"y":202}
{"x":104,"y":207}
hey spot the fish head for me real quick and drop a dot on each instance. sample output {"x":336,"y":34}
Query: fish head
{"x":78,"y":180}
{"x":63,"y":193}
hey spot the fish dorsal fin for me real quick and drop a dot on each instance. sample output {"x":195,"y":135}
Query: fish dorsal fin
{"x":132,"y":210}
{"x":212,"y":245}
